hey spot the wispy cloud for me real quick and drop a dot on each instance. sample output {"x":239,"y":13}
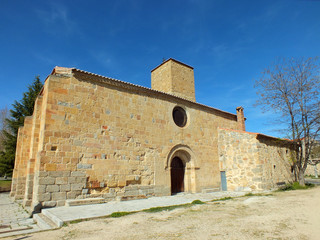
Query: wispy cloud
{"x":102,"y":58}
{"x":57,"y":20}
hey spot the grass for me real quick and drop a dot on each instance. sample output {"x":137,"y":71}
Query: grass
{"x":222,"y":199}
{"x":5,"y":185}
{"x":197,"y":202}
{"x":295,"y":186}
{"x":172,"y":207}
{"x":312,"y":177}
{"x":167,"y":208}
{"x":258,"y":194}
{"x":120,"y":214}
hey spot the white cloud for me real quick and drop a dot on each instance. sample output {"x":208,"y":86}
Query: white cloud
{"x":56,"y":19}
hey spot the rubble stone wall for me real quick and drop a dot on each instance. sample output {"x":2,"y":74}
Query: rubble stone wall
{"x":252,"y":162}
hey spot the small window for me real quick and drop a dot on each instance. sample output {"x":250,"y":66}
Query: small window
{"x":179,"y":116}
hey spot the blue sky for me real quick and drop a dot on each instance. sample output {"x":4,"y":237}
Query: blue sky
{"x":228,"y":43}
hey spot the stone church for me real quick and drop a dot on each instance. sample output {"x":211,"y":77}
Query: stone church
{"x":94,"y":137}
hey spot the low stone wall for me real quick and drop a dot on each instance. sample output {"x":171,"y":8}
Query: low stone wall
{"x":53,"y":188}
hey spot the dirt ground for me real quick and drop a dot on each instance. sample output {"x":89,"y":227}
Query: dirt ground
{"x":282,"y":215}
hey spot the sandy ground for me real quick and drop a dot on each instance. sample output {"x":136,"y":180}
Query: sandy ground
{"x":283,"y":215}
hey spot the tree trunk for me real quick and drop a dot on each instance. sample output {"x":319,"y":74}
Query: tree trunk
{"x":301,"y":178}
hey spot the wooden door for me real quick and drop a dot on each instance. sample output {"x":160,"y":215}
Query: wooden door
{"x":177,"y":176}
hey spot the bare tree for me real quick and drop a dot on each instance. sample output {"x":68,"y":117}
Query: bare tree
{"x":290,"y":87}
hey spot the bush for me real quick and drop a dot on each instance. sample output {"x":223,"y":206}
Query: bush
{"x":197,"y":202}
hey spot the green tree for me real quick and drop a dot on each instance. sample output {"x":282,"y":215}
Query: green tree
{"x":290,"y":87}
{"x":20,"y":110}
{"x":4,"y":113}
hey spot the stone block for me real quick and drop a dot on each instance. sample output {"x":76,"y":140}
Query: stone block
{"x":257,"y":170}
{"x":131,"y":193}
{"x":46,"y":180}
{"x":257,"y":179}
{"x":55,"y":174}
{"x":61,"y":180}
{"x":121,"y":183}
{"x":65,"y":187}
{"x":112,"y":184}
{"x":52,"y":188}
{"x":47,"y":204}
{"x":44,"y":197}
{"x":77,"y":186}
{"x":42,"y":174}
{"x":66,"y":173}
{"x":108,"y":195}
{"x":61,"y":203}
{"x":84,"y":166}
{"x":78,"y":174}
{"x":73,"y":194}
{"x":72,"y":180}
{"x":42,"y":188}
{"x":59,"y":196}
{"x":50,"y":167}
{"x":81,"y":180}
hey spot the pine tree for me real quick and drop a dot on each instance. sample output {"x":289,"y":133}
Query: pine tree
{"x":20,"y":110}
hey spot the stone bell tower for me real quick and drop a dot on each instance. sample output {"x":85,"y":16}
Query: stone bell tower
{"x":175,"y":78}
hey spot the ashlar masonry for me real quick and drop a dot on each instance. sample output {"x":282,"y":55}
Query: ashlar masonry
{"x":96,"y":137}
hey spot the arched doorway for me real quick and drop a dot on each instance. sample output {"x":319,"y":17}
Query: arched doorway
{"x":177,"y":175}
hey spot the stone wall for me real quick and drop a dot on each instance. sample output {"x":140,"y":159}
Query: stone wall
{"x":98,"y":137}
{"x":312,"y":169}
{"x":253,"y":161}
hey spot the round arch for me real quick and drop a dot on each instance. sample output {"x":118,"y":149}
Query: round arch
{"x":189,"y":161}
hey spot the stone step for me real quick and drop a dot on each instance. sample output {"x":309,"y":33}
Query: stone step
{"x":43,"y":222}
{"x":86,"y":201}
{"x":57,"y":221}
{"x":210,"y":190}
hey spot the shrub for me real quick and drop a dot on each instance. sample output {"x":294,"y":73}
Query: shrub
{"x":197,"y":202}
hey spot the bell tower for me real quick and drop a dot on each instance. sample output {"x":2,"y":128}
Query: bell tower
{"x":175,"y":78}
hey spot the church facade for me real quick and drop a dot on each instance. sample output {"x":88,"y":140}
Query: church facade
{"x":96,"y":137}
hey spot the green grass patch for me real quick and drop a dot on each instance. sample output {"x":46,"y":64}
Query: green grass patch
{"x":258,"y":194}
{"x":223,"y":199}
{"x":120,"y":214}
{"x":312,"y":177}
{"x":76,"y":221}
{"x":249,"y":194}
{"x":197,"y":202}
{"x":168,"y":208}
{"x":5,"y":185}
{"x":295,"y":186}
